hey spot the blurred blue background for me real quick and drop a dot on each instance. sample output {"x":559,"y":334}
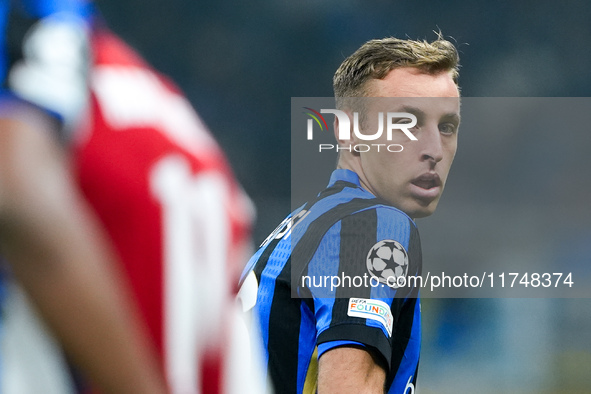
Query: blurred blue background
{"x":241,"y":62}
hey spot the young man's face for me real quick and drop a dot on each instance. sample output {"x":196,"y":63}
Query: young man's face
{"x":412,"y":180}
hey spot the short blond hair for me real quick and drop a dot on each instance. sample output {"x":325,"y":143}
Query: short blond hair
{"x":376,"y":58}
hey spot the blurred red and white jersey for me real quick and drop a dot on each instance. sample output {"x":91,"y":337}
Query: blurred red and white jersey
{"x":178,"y":219}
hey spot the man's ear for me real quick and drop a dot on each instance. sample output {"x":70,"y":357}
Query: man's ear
{"x":344,"y":142}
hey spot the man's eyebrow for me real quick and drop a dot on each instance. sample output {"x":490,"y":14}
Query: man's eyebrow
{"x":452,"y":117}
{"x":419,"y":113}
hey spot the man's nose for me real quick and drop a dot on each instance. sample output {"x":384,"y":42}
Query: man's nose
{"x":431,"y":144}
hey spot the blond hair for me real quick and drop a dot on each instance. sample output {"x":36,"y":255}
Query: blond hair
{"x":376,"y":58}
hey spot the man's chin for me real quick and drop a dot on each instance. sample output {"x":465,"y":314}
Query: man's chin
{"x":416,"y":208}
{"x":421,"y":209}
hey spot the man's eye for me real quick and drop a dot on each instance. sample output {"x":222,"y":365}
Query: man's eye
{"x":404,"y":121}
{"x":447,"y":128}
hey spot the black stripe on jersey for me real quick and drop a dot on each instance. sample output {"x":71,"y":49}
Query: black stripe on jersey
{"x":401,"y":335}
{"x":307,"y":245}
{"x":284,"y":333}
{"x":264,"y":258}
{"x":280,"y":368}
{"x":403,"y":326}
{"x":336,"y":188}
{"x":358,"y":235}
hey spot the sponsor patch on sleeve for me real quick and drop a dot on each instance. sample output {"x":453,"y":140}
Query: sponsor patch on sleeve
{"x":372,"y":309}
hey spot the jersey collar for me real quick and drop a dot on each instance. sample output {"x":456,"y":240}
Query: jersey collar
{"x":344,"y":175}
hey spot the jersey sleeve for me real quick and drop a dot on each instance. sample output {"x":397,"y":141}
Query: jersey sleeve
{"x":358,"y":279}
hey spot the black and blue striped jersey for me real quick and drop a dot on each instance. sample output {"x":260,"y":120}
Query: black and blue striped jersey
{"x":334,"y":273}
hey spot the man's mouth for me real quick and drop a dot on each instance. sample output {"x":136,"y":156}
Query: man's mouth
{"x":428,"y":180}
{"x":427,"y":186}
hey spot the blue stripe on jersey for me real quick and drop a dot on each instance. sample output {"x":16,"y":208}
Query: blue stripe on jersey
{"x":275,"y":264}
{"x":395,"y":224}
{"x":324,"y":304}
{"x":317,"y":270}
{"x":392,"y":223}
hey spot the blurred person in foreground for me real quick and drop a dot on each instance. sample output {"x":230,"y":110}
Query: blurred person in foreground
{"x":52,"y":245}
{"x":179,"y":220}
{"x":365,"y":337}
{"x":165,"y":195}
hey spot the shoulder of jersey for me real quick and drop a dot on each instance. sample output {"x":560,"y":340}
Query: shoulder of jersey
{"x":384,"y":209}
{"x":133,"y":94}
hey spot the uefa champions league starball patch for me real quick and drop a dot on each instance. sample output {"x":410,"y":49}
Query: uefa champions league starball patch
{"x":387,"y":261}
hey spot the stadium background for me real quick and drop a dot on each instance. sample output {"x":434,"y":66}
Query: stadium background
{"x":515,"y":197}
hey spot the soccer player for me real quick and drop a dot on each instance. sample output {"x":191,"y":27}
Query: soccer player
{"x":362,"y":338}
{"x":161,"y":187}
{"x":179,"y":220}
{"x":54,"y":247}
